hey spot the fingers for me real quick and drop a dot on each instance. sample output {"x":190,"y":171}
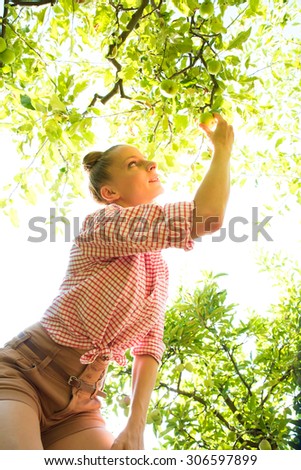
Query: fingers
{"x":220,"y":122}
{"x":218,"y":117}
{"x":206,"y":129}
{"x":221,"y":134}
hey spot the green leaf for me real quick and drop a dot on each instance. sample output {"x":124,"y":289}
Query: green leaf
{"x":254,"y":5}
{"x":53,"y":130}
{"x":14,"y":217}
{"x":279,"y":141}
{"x":127,"y":73}
{"x":26,"y":102}
{"x":69,"y":143}
{"x":170,"y":160}
{"x":181,"y":122}
{"x":3,"y":203}
{"x":184,"y":6}
{"x":237,"y":42}
{"x":38,"y":105}
{"x":56,"y":104}
{"x":80,"y":86}
{"x":31,"y":197}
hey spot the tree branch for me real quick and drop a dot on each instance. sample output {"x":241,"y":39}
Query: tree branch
{"x":192,"y":64}
{"x":199,"y":400}
{"x":107,"y":97}
{"x":129,"y":28}
{"x":133,"y":21}
{"x":155,"y":9}
{"x":282,"y":378}
{"x":213,"y":79}
{"x":118,"y":86}
{"x":218,"y":415}
{"x":226,"y":349}
{"x":3,"y":18}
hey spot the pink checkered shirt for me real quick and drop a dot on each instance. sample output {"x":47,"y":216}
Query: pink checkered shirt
{"x":114,"y":293}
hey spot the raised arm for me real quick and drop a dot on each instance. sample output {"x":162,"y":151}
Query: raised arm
{"x":212,"y":196}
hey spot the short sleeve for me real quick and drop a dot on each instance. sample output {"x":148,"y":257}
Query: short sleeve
{"x":152,"y":344}
{"x":116,"y":231}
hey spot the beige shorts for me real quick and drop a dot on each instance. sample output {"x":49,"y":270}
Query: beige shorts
{"x":51,"y":380}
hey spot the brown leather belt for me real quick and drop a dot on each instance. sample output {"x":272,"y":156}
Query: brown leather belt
{"x":71,"y":380}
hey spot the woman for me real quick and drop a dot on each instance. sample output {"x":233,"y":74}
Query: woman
{"x":112,"y":299}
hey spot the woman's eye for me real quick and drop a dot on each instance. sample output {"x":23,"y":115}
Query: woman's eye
{"x":131,"y":164}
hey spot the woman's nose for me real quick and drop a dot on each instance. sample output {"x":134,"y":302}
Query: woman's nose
{"x":151,"y":166}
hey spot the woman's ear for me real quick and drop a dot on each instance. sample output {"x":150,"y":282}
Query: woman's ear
{"x":109,"y":194}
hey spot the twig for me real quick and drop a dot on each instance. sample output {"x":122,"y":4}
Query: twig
{"x":155,"y":9}
{"x":282,"y":378}
{"x":236,"y":18}
{"x":226,"y":349}
{"x":118,"y":86}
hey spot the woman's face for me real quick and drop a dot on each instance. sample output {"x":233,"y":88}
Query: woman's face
{"x":134,"y":179}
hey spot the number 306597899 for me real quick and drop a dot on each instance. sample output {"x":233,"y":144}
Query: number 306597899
{"x":212,"y":460}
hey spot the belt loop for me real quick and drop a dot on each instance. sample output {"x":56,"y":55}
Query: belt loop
{"x":98,"y":389}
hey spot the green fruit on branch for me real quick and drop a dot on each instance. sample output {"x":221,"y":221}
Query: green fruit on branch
{"x":3,"y":44}
{"x":168,"y":88}
{"x":206,"y":9}
{"x":156,"y":416}
{"x":265,"y":445}
{"x":208,"y":383}
{"x":7,"y":57}
{"x":124,"y":401}
{"x":214,"y":66}
{"x":189,"y":367}
{"x":232,"y":436}
{"x":179,"y":368}
{"x":208,"y":119}
{"x":149,"y":419}
{"x":206,"y":155}
{"x":6,"y":69}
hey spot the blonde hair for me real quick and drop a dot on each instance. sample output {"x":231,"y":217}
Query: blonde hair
{"x":97,"y":165}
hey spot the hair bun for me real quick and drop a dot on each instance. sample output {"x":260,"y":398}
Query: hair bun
{"x":91,"y":159}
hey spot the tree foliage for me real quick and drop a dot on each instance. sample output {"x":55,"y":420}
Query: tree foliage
{"x":85,"y":66}
{"x":226,"y":381}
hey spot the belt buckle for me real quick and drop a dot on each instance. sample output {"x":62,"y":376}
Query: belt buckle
{"x":79,"y":384}
{"x":74,"y":381}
